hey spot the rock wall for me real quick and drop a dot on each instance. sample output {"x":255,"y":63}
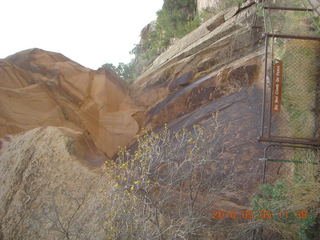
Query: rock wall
{"x":222,"y":40}
{"x":218,"y":5}
{"x":65,"y":121}
{"x":216,"y":69}
{"x":40,"y":88}
{"x":205,"y":4}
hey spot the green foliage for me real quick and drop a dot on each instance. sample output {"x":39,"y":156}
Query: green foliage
{"x":306,"y":227}
{"x":236,"y":1}
{"x":259,"y":9}
{"x":175,"y":17}
{"x":291,"y":197}
{"x":274,"y":198}
{"x":316,"y":24}
{"x":174,"y":20}
{"x":125,"y":71}
{"x":206,"y":14}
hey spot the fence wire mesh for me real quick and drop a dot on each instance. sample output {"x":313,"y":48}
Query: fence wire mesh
{"x":284,"y":159}
{"x":291,"y":22}
{"x":315,"y":5}
{"x":294,"y":71}
{"x":292,"y":89}
{"x":285,"y":3}
{"x":291,"y":103}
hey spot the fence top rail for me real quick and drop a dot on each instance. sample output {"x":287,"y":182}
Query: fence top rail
{"x":289,"y":141}
{"x":289,"y":8}
{"x":292,"y":36}
{"x":288,"y":161}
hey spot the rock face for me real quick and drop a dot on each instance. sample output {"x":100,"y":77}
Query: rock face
{"x":65,"y":120}
{"x":207,"y":4}
{"x":218,"y":58}
{"x":216,"y":4}
{"x":51,"y":186}
{"x":216,"y":69}
{"x":40,"y":88}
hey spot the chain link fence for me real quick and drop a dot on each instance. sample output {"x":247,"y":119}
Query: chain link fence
{"x":280,"y":159}
{"x":291,"y":21}
{"x":291,"y":111}
{"x":291,"y":101}
{"x":294,"y":75}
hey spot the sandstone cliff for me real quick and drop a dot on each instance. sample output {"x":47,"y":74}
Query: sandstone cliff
{"x":64,"y":120}
{"x":207,"y":4}
{"x":40,"y":88}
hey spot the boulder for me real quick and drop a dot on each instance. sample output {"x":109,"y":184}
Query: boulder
{"x":40,"y":88}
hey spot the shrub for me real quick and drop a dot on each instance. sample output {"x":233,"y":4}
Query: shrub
{"x":293,"y":198}
{"x":164,"y":187}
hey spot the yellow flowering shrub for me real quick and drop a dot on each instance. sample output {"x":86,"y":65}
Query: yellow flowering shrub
{"x":158,"y":182}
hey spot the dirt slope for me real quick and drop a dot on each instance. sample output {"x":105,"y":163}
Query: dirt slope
{"x":51,"y":183}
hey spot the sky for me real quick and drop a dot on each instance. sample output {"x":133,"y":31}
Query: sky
{"x":90,"y":32}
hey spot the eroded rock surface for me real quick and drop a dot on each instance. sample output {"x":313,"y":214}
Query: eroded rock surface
{"x":51,"y":176}
{"x":40,"y":88}
{"x":216,"y":69}
{"x":222,"y":40}
{"x":52,"y":186}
